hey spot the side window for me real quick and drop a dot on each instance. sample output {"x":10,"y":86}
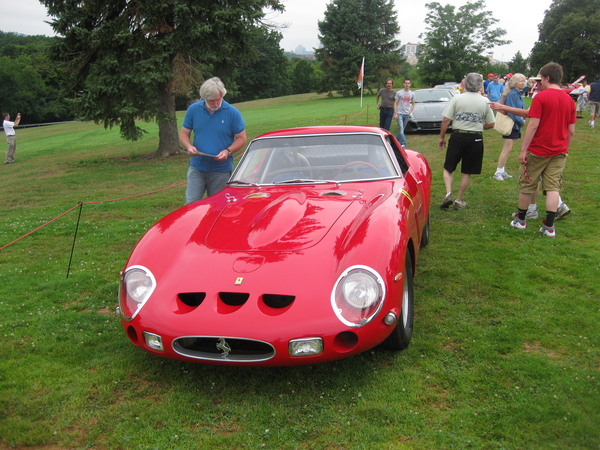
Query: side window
{"x":398,"y":155}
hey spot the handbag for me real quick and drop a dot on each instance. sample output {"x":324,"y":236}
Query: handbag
{"x":504,"y":124}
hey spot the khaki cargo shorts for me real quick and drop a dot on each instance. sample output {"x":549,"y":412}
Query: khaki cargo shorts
{"x":547,"y":169}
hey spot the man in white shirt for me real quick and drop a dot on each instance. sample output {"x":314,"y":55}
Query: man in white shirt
{"x":11,"y":138}
{"x":469,"y":114}
{"x":404,"y":103}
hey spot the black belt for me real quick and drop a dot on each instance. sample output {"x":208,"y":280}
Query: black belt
{"x":467,"y":131}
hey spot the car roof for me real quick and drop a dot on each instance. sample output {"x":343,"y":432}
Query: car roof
{"x":325,"y":129}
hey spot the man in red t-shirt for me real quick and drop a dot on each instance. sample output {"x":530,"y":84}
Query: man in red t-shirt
{"x":545,"y":147}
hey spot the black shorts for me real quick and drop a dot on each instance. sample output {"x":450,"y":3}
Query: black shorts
{"x":514,"y":135}
{"x":465,"y":147}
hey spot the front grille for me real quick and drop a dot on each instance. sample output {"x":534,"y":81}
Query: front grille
{"x":223,"y":349}
{"x":430,"y":125}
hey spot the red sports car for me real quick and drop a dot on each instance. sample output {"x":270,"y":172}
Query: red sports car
{"x":306,"y":256}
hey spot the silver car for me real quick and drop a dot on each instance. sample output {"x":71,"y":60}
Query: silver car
{"x":430,"y":104}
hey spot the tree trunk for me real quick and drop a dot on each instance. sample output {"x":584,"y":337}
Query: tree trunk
{"x":168,"y":135}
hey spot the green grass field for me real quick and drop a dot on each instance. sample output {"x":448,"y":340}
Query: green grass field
{"x":505,"y":354}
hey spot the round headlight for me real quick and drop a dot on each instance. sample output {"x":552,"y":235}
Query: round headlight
{"x":137,"y":286}
{"x":358,"y":295}
{"x":360,"y":289}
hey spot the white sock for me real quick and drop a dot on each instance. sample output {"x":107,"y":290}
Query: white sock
{"x":532,"y":207}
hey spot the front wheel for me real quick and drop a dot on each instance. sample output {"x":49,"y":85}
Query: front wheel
{"x":402,"y":334}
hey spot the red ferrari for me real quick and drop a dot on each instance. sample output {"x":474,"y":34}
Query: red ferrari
{"x":307,"y":256}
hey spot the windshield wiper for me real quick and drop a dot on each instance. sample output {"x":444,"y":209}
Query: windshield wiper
{"x":305,"y":180}
{"x":245,"y":183}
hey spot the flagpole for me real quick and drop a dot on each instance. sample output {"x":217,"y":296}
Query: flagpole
{"x":361,"y":83}
{"x":362,"y":89}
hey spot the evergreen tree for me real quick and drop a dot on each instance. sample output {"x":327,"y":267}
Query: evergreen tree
{"x":518,"y":64}
{"x":302,"y":76}
{"x":455,"y":41}
{"x":266,"y":76}
{"x":570,"y":36}
{"x":351,"y":30}
{"x":124,"y":54}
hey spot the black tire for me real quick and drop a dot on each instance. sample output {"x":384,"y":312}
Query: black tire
{"x":425,"y":235}
{"x":402,"y":334}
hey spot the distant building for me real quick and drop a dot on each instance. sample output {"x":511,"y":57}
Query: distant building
{"x":300,"y":50}
{"x":411,"y":53}
{"x":494,"y":61}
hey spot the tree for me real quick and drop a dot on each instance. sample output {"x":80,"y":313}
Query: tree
{"x":351,"y":30}
{"x":518,"y":64}
{"x":301,"y":76}
{"x":30,"y":79}
{"x":266,"y":76}
{"x":570,"y":36}
{"x":455,"y":41}
{"x":124,"y":54}
{"x":21,"y":90}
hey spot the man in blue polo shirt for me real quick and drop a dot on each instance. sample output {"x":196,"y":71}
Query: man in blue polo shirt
{"x":494,"y":90}
{"x":219,"y":132}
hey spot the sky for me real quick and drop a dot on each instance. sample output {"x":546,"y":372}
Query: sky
{"x":519,"y":18}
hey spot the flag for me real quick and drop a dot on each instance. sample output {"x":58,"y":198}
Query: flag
{"x":361,"y":74}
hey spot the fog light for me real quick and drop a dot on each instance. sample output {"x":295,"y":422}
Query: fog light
{"x":306,"y":347}
{"x":390,"y":318}
{"x":154,"y":341}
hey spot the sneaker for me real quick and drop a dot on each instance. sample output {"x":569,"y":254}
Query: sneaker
{"x":447,"y":201}
{"x":518,"y":224}
{"x":563,"y":210}
{"x":459,"y":205}
{"x":548,"y":231}
{"x":498,"y":176}
{"x":505,"y":175}
{"x":533,"y":214}
{"x":530,"y":214}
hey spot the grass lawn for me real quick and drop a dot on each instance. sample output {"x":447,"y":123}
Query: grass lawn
{"x":505,"y":354}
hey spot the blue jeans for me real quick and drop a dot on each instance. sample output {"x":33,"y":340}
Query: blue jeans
{"x":385,"y":118}
{"x":200,"y":182}
{"x":402,"y":121}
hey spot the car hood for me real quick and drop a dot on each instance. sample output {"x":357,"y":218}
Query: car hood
{"x":247,"y":227}
{"x":429,"y":111}
{"x":277,"y":220}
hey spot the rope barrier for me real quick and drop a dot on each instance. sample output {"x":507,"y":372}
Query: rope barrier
{"x":80,"y":204}
{"x":343,"y":119}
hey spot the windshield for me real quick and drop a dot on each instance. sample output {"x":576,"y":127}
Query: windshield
{"x":322,"y":158}
{"x":433,"y":95}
